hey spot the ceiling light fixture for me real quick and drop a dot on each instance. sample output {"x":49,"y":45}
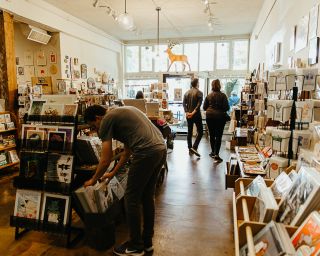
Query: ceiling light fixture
{"x":158,"y":9}
{"x":125,"y":20}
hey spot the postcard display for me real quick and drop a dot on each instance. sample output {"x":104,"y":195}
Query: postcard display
{"x":45,"y":182}
{"x":8,"y":137}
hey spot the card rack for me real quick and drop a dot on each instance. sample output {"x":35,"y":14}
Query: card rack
{"x":244,"y":228}
{"x":23,"y":225}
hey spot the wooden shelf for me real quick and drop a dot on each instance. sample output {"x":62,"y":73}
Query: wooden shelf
{"x":7,"y":148}
{"x":9,"y":130}
{"x":8,"y":165}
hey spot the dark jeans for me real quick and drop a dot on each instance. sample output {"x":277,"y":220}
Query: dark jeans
{"x":196,"y":119}
{"x":142,"y":179}
{"x":216,"y":126}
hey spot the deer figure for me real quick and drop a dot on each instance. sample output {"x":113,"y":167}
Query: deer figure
{"x":174,"y":57}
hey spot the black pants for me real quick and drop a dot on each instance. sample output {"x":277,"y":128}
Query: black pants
{"x":216,"y":126}
{"x":142,"y":179}
{"x":196,"y":119}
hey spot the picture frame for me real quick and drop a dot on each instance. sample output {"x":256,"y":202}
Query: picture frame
{"x":27,"y":204}
{"x":83,"y":69}
{"x":302,"y":33}
{"x":35,"y":139}
{"x":60,"y":168}
{"x":28,"y":58}
{"x":313,"y":21}
{"x":49,"y":109}
{"x":53,"y":58}
{"x":55,"y":209}
{"x":70,"y":109}
{"x":36,"y":107}
{"x":41,"y":58}
{"x":313,"y":51}
{"x":56,"y":141}
{"x":20,"y":71}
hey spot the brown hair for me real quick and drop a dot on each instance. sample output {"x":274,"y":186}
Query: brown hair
{"x":215,"y":85}
{"x":195,"y":82}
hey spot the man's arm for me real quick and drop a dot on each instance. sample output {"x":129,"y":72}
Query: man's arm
{"x":123,"y":159}
{"x":105,"y":160}
{"x":199,"y":102}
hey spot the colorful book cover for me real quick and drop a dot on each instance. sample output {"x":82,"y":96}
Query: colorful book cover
{"x":306,"y":240}
{"x":27,"y":204}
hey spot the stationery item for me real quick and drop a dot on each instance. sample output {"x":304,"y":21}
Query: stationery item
{"x":276,"y":165}
{"x":280,"y":140}
{"x":301,"y":139}
{"x":304,"y":111}
{"x":27,"y":204}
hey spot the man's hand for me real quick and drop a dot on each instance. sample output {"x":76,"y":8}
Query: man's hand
{"x":107,"y":175}
{"x":90,"y":182}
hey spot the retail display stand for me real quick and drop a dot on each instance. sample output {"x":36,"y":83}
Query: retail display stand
{"x":46,"y":170}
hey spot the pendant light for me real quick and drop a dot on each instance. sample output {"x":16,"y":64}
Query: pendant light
{"x":157,"y":56}
{"x":125,"y":20}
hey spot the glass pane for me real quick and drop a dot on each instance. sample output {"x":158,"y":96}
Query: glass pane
{"x":133,"y":86}
{"x":132,"y":58}
{"x":177,"y":65}
{"x":161,"y":63}
{"x":206,"y":56}
{"x":223,"y":55}
{"x":146,"y":58}
{"x":240,"y":55}
{"x":191,"y":50}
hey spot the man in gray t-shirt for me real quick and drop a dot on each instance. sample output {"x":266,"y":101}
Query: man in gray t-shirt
{"x":145,"y":143}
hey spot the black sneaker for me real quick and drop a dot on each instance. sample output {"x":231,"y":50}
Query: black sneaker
{"x":212,"y":155}
{"x":125,"y":249}
{"x":148,"y":248}
{"x":218,"y":159}
{"x":194,"y":151}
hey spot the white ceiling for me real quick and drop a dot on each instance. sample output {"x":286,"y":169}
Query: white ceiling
{"x":178,"y":18}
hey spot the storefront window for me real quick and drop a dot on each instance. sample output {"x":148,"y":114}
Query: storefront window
{"x":146,"y":58}
{"x":135,"y":85}
{"x":240,"y":55}
{"x":206,"y":56}
{"x":132,"y":59}
{"x":191,"y":51}
{"x":223,"y":49}
{"x":161,"y":63}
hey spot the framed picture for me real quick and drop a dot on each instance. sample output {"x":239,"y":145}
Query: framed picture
{"x":37,"y":89}
{"x":83,"y":69}
{"x":28,"y":58}
{"x":70,"y":109}
{"x":27,"y":204}
{"x":55,"y":209}
{"x":302,"y":33}
{"x":56,"y":141}
{"x":36,"y":107}
{"x":20,"y":71}
{"x":52,"y":109}
{"x":41,"y":58}
{"x":53,"y":58}
{"x":35,"y":139}
{"x":59,"y":168}
{"x":313,"y":51}
{"x":313,"y":21}
{"x":25,"y":128}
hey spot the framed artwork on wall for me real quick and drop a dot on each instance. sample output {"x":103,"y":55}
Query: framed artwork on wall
{"x":28,"y":58}
{"x":302,"y":33}
{"x":53,"y":58}
{"x":313,"y":21}
{"x":313,"y":51}
{"x":83,"y":69}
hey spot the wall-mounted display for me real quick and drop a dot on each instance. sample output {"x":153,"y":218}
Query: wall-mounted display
{"x":302,"y":33}
{"x":313,"y":51}
{"x":313,"y":21}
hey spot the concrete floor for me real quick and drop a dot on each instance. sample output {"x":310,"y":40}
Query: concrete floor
{"x":194,"y":213}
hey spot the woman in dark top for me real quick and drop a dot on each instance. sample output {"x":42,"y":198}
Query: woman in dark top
{"x":216,"y":105}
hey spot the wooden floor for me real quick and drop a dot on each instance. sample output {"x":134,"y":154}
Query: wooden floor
{"x":194,"y":213}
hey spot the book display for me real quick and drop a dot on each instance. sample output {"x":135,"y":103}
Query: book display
{"x":8,"y":141}
{"x":45,"y":181}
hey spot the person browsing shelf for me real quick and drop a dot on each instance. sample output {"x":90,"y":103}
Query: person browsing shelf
{"x":216,"y":106}
{"x":145,"y":143}
{"x":139,"y":95}
{"x":192,"y":101}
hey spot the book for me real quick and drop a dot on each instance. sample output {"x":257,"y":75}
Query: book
{"x":253,"y":189}
{"x":55,"y":209}
{"x":306,"y":240}
{"x":281,"y":185}
{"x":33,"y":165}
{"x":13,"y":156}
{"x":10,"y":125}
{"x":103,"y":196}
{"x":27,"y":204}
{"x":59,"y":168}
{"x":302,"y":198}
{"x":272,"y":240}
{"x":56,"y":141}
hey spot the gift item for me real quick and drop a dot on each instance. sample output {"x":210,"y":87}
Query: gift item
{"x":281,"y":80}
{"x":304,"y":110}
{"x":301,"y":139}
{"x":280,"y":140}
{"x":276,"y":165}
{"x":306,"y":79}
{"x":279,"y":110}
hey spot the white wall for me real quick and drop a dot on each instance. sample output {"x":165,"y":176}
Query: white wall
{"x":77,"y":38}
{"x":283,"y":17}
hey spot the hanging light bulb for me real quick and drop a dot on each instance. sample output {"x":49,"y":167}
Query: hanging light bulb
{"x":125,"y":20}
{"x":157,"y":53}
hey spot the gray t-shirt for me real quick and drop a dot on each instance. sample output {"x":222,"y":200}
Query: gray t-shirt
{"x":133,"y":128}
